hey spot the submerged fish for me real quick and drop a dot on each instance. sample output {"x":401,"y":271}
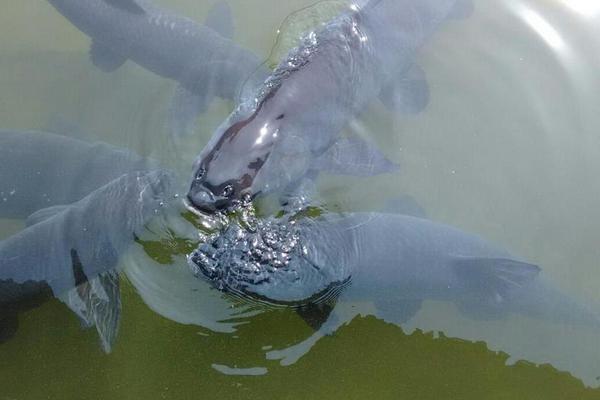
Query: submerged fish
{"x":84,"y":204}
{"x":395,"y":261}
{"x":292,"y":124}
{"x":70,"y":251}
{"x":202,"y":58}
{"x":42,"y":169}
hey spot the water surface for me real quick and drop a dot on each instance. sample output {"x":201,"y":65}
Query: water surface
{"x":508,"y":148}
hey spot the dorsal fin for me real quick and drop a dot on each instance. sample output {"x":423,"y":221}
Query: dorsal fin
{"x":127,"y":5}
{"x":220,"y":19}
{"x":44,"y":214}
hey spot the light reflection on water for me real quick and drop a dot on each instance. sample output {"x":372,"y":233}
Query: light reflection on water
{"x":507,"y":148}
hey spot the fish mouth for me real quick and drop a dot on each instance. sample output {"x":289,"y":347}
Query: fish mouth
{"x":260,"y":285}
{"x":202,"y":200}
{"x":207,"y":203}
{"x":264,"y":261}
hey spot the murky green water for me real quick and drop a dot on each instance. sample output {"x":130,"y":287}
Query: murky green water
{"x":507,"y":148}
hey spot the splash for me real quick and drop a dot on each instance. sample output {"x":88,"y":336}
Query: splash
{"x":247,"y":250}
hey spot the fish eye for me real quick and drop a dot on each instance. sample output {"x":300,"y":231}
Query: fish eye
{"x":200,"y":173}
{"x":227,"y":191}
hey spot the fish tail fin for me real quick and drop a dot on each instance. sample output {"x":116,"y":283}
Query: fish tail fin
{"x":545,"y":301}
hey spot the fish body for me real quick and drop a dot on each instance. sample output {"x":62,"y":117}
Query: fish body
{"x":83,"y":203}
{"x":89,"y":234}
{"x":276,"y":136}
{"x":42,"y":169}
{"x":71,"y":252}
{"x":204,"y":62}
{"x":397,"y":261}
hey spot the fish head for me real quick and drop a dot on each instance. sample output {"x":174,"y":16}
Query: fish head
{"x":276,"y":262}
{"x":226,"y":171}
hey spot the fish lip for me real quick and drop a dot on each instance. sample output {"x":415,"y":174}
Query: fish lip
{"x":197,"y":210}
{"x":204,"y":207}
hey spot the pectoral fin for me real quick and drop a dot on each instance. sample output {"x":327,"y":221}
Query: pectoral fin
{"x":489,"y":282}
{"x":127,"y":5}
{"x":185,"y":108}
{"x":353,"y":155}
{"x":104,"y":58}
{"x":97,"y":302}
{"x":44,"y":214}
{"x":220,"y":20}
{"x":408,"y":93}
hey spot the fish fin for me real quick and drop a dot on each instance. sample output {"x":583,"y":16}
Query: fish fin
{"x":397,"y":311}
{"x":185,"y":108}
{"x":354,"y":156}
{"x":220,"y":19}
{"x":97,"y":302}
{"x":104,"y":58}
{"x":409,"y":94}
{"x":127,"y":5}
{"x":44,"y":214}
{"x":404,"y":205}
{"x":490,"y":281}
{"x":462,"y":9}
{"x":9,"y":324}
{"x":315,"y":315}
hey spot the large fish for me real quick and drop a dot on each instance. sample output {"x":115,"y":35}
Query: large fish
{"x":84,"y":204}
{"x":42,"y":169}
{"x":71,"y":251}
{"x":292,"y":124}
{"x":202,"y":58}
{"x":395,"y":261}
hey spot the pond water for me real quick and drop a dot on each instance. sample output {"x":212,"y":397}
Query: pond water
{"x":507,"y":148}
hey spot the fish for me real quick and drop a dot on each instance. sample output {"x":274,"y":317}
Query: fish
{"x":42,"y":169}
{"x":394,"y":261}
{"x":82,"y":204}
{"x":202,"y":58}
{"x":71,"y":251}
{"x":291,"y":126}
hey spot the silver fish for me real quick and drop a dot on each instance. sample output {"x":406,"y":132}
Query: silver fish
{"x":292,"y":124}
{"x":202,"y":58}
